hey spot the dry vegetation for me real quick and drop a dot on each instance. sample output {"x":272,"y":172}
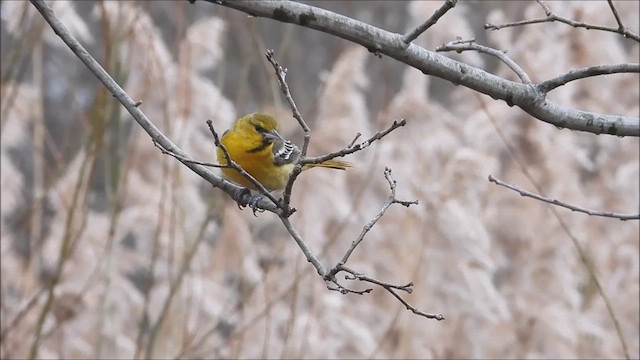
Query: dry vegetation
{"x":156,"y":263}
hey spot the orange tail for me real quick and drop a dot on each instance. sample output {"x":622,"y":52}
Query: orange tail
{"x":332,"y":164}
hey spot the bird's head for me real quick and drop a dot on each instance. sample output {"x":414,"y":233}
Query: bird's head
{"x":261,"y":125}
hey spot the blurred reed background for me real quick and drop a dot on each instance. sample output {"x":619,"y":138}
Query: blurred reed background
{"x":149,"y":261}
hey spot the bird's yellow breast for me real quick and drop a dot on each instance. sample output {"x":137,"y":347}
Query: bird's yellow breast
{"x":259,"y":164}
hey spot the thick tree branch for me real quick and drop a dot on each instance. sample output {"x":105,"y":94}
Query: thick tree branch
{"x":376,"y":40}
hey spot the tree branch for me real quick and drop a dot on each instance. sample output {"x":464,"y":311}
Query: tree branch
{"x":413,"y":34}
{"x":551,"y":17}
{"x":330,"y":276}
{"x":281,"y":74}
{"x":464,"y":45}
{"x":379,"y":41}
{"x":526,"y":193}
{"x":591,"y":71}
{"x":391,"y":200}
{"x":352,"y":148}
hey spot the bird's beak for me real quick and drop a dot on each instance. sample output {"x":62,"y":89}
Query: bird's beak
{"x":273,"y":135}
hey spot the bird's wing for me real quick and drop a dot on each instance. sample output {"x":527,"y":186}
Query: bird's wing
{"x":285,"y":152}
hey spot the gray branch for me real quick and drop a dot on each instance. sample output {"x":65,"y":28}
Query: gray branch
{"x":133,"y":106}
{"x":526,"y":193}
{"x":525,"y":96}
{"x":464,"y":45}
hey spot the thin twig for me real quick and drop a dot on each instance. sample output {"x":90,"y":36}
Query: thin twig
{"x":464,"y":45}
{"x":185,"y":159}
{"x":330,"y":276}
{"x":591,"y":71}
{"x":133,"y":106}
{"x":576,"y":244}
{"x":335,"y":286}
{"x":413,"y":34}
{"x":352,"y":148}
{"x":615,"y":14}
{"x":391,"y":200}
{"x":392,"y":290}
{"x":551,"y":17}
{"x":353,"y":142}
{"x":322,"y":270}
{"x":281,"y":74}
{"x":526,"y":193}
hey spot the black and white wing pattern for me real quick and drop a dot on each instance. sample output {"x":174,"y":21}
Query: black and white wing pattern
{"x":285,"y":152}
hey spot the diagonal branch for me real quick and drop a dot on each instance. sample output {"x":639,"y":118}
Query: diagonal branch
{"x":413,"y":34}
{"x":526,"y":193}
{"x":281,"y":74}
{"x":464,"y":45}
{"x":133,"y":106}
{"x":391,"y":200}
{"x":591,"y":71}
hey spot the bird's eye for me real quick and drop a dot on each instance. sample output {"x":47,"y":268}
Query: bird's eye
{"x":260,"y":129}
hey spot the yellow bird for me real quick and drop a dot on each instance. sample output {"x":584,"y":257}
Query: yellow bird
{"x":255,"y":144}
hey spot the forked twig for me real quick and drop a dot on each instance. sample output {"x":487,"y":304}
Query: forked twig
{"x":353,"y":147}
{"x":330,"y":276}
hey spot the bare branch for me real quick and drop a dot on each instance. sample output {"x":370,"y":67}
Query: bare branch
{"x":591,"y":71}
{"x":615,"y":14}
{"x":185,"y":159}
{"x":391,"y":200}
{"x":463,"y":45}
{"x":526,"y":193}
{"x":352,"y":148}
{"x":379,"y":41}
{"x":335,"y":286}
{"x":554,"y":210}
{"x":353,"y":142}
{"x":551,"y":17}
{"x":413,"y":34}
{"x":321,"y":269}
{"x":330,"y":276}
{"x":281,"y":74}
{"x":392,"y":290}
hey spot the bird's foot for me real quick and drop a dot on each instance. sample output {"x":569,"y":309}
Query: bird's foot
{"x":244,"y":198}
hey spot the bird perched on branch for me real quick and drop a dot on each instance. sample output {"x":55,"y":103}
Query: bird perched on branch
{"x":255,"y":144}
